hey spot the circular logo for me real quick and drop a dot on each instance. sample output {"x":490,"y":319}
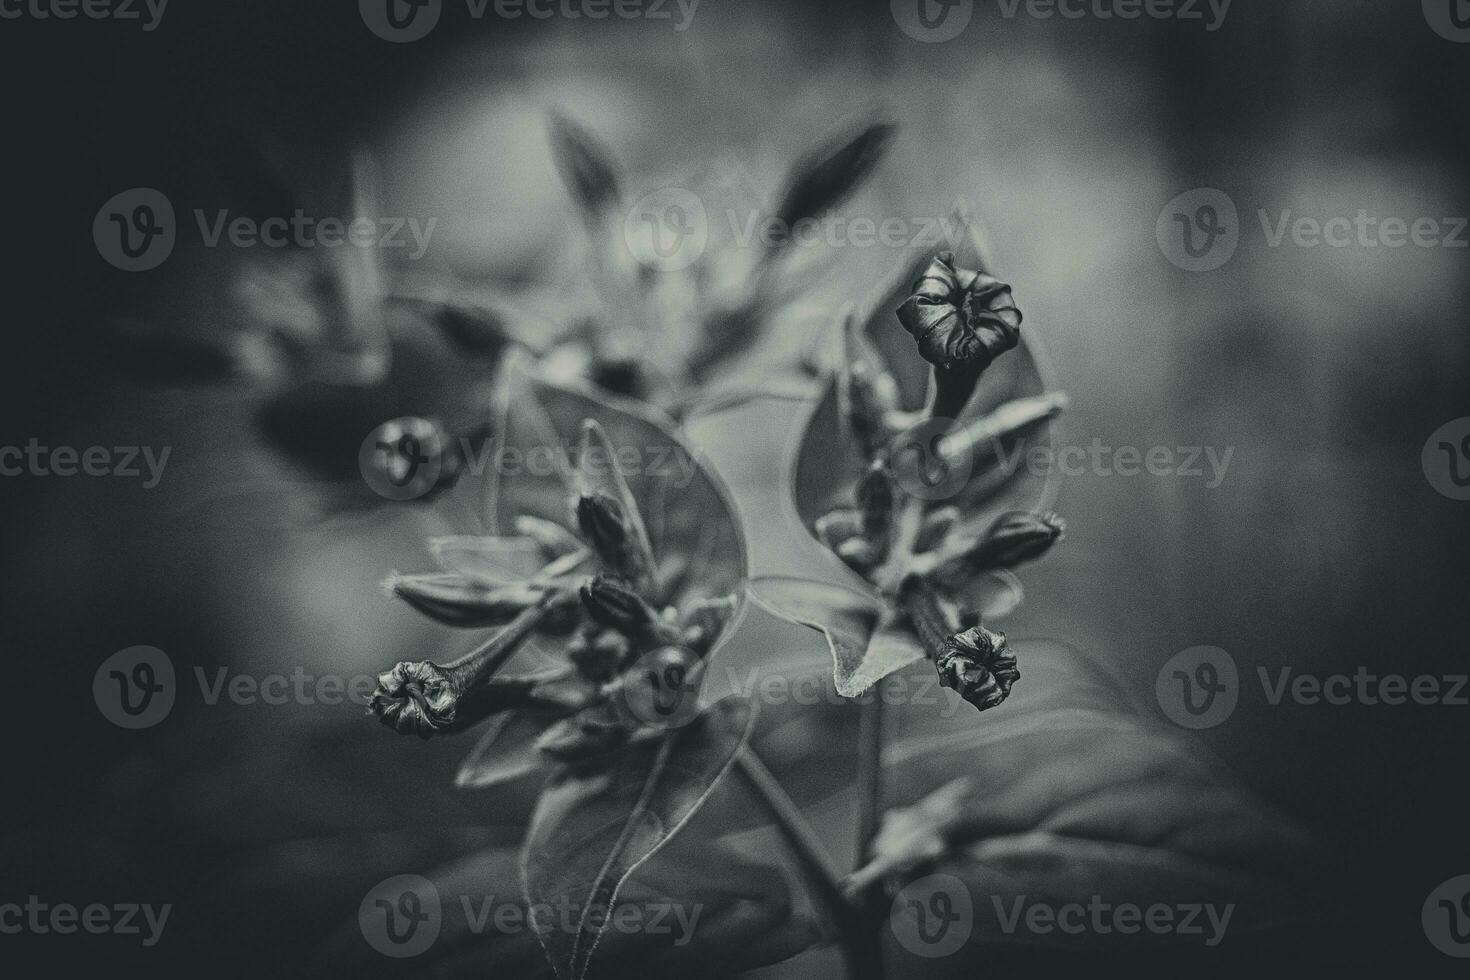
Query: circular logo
{"x":134,"y":688}
{"x":932,"y":21}
{"x":933,"y":916}
{"x":135,"y":231}
{"x":1450,"y":19}
{"x":661,"y":689}
{"x":667,"y":230}
{"x":1446,"y":917}
{"x":402,"y":459}
{"x":1199,"y":687}
{"x":1199,"y":230}
{"x":1446,"y":459}
{"x":400,"y":21}
{"x":924,"y":467}
{"x":401,"y":916}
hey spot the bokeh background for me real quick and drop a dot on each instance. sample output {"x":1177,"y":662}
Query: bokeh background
{"x":1325,"y":369}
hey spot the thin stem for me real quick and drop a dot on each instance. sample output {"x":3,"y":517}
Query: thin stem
{"x":871,"y":723}
{"x":857,"y":946}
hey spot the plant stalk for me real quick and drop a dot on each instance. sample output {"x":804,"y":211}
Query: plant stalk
{"x":858,"y":946}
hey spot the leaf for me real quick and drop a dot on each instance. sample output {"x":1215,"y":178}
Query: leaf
{"x":506,"y":751}
{"x":737,"y":905}
{"x":832,"y":173}
{"x":865,"y":646}
{"x":1068,"y":794}
{"x":590,"y":832}
{"x":686,"y":509}
{"x":587,"y":168}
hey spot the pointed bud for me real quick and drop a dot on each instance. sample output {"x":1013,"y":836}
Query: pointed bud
{"x":461,"y":601}
{"x":554,"y":540}
{"x":877,"y":500}
{"x":836,"y":527}
{"x":616,"y":606}
{"x":936,"y":527}
{"x":1015,"y":538}
{"x":604,"y":525}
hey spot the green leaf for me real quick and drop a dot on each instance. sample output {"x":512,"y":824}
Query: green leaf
{"x":866,"y":644}
{"x":590,"y":831}
{"x":1066,"y":793}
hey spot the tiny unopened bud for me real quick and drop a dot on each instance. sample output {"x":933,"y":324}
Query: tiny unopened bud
{"x":613,"y":604}
{"x":935,"y":528}
{"x":704,"y":621}
{"x":1015,"y":538}
{"x":979,"y":665}
{"x":860,"y":554}
{"x":605,"y":525}
{"x":877,"y":500}
{"x":836,"y":527}
{"x":462,"y":601}
{"x":554,"y":540}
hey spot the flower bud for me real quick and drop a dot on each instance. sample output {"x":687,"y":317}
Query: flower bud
{"x":462,"y":601}
{"x":962,"y":321}
{"x":616,"y":606}
{"x":605,"y":525}
{"x":979,"y":665}
{"x":877,"y":500}
{"x":1015,"y":537}
{"x":836,"y":527}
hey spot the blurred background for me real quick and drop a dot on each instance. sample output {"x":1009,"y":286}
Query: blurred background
{"x":1324,"y":369}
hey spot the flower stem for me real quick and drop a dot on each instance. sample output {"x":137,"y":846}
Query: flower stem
{"x":858,"y":946}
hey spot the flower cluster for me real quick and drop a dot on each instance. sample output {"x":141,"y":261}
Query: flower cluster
{"x":923,"y":555}
{"x":630,"y":630}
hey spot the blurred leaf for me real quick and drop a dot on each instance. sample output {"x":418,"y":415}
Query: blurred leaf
{"x":1066,"y":793}
{"x":591,"y":830}
{"x":496,"y":560}
{"x":587,"y":168}
{"x":865,"y":646}
{"x":832,"y":173}
{"x":507,"y":750}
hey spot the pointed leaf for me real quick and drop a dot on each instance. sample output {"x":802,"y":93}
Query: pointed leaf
{"x":865,"y":645}
{"x":591,"y":831}
{"x":832,"y":173}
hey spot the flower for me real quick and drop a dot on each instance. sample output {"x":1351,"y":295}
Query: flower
{"x":915,"y":519}
{"x":596,"y":584}
{"x":963,"y":320}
